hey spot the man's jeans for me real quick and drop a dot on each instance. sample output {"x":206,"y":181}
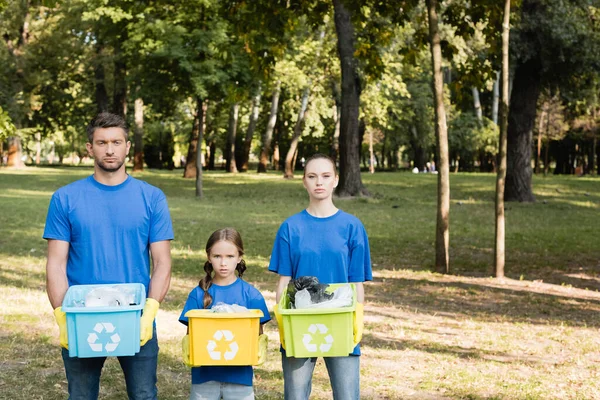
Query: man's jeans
{"x":344,"y":375}
{"x":83,"y":374}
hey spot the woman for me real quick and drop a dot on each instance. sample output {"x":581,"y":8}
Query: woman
{"x":332,"y":245}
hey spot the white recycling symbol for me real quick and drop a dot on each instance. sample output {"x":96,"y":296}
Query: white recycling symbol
{"x":99,"y":328}
{"x":312,"y":347}
{"x":212,"y":345}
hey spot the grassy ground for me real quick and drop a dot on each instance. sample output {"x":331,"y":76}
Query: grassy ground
{"x":533,"y":335}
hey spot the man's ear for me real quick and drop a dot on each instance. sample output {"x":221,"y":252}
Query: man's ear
{"x":88,"y":146}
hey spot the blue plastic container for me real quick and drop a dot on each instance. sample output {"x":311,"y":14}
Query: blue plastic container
{"x":103,"y":331}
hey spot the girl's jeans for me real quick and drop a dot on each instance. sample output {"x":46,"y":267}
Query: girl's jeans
{"x":83,"y":374}
{"x":344,"y":374}
{"x":213,"y":390}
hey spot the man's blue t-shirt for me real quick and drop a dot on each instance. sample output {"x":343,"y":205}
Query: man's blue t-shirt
{"x":109,"y":229}
{"x":335,"y":249}
{"x":242,"y":294}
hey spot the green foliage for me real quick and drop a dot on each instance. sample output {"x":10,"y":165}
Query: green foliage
{"x":470,"y":139}
{"x":7,"y":128}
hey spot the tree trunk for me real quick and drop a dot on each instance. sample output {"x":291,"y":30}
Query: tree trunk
{"x":120,"y":85}
{"x":419,"y":151}
{"x":101,"y":95}
{"x":538,"y":153}
{"x":245,"y":156}
{"x":15,"y":152}
{"x":496,"y":96}
{"x":335,"y":145}
{"x":350,"y":183}
{"x":289,"y":165}
{"x":477,"y":104}
{"x":190,"y":161}
{"x":38,"y":148}
{"x":371,"y":155}
{"x":231,"y":135}
{"x":138,"y":142}
{"x":213,"y":150}
{"x":499,"y":247}
{"x":521,"y":118}
{"x":202,"y":106}
{"x":268,"y":136}
{"x":442,"y":242}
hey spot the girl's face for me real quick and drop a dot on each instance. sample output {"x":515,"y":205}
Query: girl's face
{"x":224,"y":257}
{"x":320,"y":179}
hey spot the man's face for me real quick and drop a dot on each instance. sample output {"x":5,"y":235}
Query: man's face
{"x":109,"y":148}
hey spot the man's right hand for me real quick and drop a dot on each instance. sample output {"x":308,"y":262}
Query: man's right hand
{"x":61,"y":320}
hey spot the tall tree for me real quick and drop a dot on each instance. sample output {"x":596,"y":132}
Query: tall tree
{"x":138,"y":148}
{"x":499,"y":247}
{"x":245,"y":151}
{"x":554,"y":41}
{"x":268,"y":135}
{"x":442,"y":237}
{"x":229,"y":153}
{"x":350,"y":183}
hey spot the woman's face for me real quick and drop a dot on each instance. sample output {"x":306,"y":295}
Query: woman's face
{"x":319,"y":179}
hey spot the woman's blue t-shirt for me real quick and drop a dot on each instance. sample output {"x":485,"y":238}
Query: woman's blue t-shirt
{"x":335,"y":249}
{"x":240,"y":293}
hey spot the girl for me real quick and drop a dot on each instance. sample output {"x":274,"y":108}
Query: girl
{"x":224,"y":250}
{"x":332,"y":245}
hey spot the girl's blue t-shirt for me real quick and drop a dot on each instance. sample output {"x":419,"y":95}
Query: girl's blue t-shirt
{"x":109,"y":229}
{"x":242,"y":294}
{"x":335,"y":249}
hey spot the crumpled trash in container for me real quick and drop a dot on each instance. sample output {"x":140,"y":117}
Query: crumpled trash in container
{"x":342,"y":297}
{"x":313,"y":287}
{"x":108,"y":296}
{"x":221,"y":307}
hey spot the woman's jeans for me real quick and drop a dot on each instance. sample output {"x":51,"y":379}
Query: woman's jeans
{"x":344,"y":375}
{"x":83,"y":374}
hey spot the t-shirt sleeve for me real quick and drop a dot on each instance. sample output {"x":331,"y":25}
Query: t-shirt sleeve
{"x":190,"y":304}
{"x":281,"y":258}
{"x":257,"y":302}
{"x":161,"y":227}
{"x":57,"y":221}
{"x":360,"y":256}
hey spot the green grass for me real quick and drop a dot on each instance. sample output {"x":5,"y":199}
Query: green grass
{"x":533,"y":335}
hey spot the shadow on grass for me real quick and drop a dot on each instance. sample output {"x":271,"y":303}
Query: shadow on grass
{"x":19,"y":278}
{"x":455,"y":351}
{"x":486,"y":303}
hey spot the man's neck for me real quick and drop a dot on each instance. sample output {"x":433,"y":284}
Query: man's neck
{"x":110,"y":178}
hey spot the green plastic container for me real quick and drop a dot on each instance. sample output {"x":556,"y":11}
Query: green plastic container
{"x":318,"y":332}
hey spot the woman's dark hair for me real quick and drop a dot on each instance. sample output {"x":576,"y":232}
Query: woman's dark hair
{"x":107,"y":120}
{"x":318,"y":156}
{"x":228,"y":235}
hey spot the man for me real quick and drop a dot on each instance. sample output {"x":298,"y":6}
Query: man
{"x":103,"y":229}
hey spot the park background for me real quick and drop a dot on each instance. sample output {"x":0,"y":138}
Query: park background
{"x":258,"y":87}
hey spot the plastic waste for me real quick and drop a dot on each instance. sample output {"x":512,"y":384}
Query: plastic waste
{"x":221,"y":307}
{"x":109,"y":297}
{"x":316,"y":290}
{"x":342,"y":297}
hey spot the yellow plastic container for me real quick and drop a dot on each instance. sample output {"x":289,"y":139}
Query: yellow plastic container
{"x":223,"y":338}
{"x":318,"y":332}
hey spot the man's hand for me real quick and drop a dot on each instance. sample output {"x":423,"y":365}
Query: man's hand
{"x":185,"y":350}
{"x":147,"y":320}
{"x":61,"y":320}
